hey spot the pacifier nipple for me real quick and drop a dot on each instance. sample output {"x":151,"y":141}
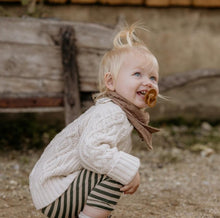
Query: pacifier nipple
{"x":151,"y":98}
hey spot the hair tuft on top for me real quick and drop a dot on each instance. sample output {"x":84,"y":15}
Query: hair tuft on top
{"x":127,"y":37}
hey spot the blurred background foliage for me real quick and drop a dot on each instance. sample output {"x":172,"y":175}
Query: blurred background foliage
{"x":27,"y":130}
{"x":34,"y":131}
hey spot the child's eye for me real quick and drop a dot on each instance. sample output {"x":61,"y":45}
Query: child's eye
{"x":153,"y":78}
{"x":137,"y":74}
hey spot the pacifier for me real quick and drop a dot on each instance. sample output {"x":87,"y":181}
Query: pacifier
{"x":151,"y":98}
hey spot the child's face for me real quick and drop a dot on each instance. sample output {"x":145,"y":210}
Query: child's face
{"x":135,"y":79}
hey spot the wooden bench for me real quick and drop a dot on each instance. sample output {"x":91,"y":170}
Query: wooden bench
{"x":46,"y":65}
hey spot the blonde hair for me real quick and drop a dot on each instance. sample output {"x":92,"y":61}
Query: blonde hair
{"x":124,"y":42}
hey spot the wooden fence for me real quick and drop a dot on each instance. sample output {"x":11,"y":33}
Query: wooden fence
{"x":49,"y":65}
{"x":44,"y":64}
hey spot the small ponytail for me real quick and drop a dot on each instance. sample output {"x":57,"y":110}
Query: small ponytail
{"x":127,"y":37}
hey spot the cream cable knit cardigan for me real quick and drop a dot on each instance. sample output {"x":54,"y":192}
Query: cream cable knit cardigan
{"x":99,"y":140}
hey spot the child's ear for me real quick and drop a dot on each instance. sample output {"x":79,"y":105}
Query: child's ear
{"x":109,"y":83}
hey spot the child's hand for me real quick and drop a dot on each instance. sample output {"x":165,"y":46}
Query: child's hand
{"x":131,"y":187}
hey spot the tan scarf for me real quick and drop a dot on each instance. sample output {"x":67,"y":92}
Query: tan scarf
{"x":138,"y":118}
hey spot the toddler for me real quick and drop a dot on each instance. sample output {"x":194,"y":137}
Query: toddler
{"x":87,"y":166}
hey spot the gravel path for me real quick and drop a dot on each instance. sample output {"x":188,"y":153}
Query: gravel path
{"x":175,"y":182}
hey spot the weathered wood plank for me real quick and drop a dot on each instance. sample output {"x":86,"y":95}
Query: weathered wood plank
{"x":46,"y":32}
{"x":30,"y":61}
{"x":15,"y":86}
{"x":26,"y":69}
{"x":27,"y":31}
{"x":31,"y":102}
{"x":94,"y":36}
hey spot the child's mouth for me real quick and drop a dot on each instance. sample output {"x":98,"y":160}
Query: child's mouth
{"x":142,"y":93}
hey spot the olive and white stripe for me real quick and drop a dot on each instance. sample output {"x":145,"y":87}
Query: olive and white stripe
{"x":89,"y":188}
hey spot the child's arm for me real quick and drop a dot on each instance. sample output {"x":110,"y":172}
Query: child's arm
{"x":98,"y":147}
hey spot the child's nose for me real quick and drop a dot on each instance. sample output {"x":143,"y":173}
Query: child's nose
{"x":147,"y":83}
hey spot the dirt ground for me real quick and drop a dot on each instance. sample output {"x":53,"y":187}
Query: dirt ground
{"x":175,"y":181}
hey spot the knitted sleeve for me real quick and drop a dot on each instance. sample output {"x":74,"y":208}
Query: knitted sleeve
{"x":98,"y":147}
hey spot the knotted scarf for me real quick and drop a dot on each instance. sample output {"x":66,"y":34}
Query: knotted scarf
{"x":138,"y":118}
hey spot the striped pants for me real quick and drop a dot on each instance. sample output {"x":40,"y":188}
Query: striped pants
{"x":89,"y":188}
